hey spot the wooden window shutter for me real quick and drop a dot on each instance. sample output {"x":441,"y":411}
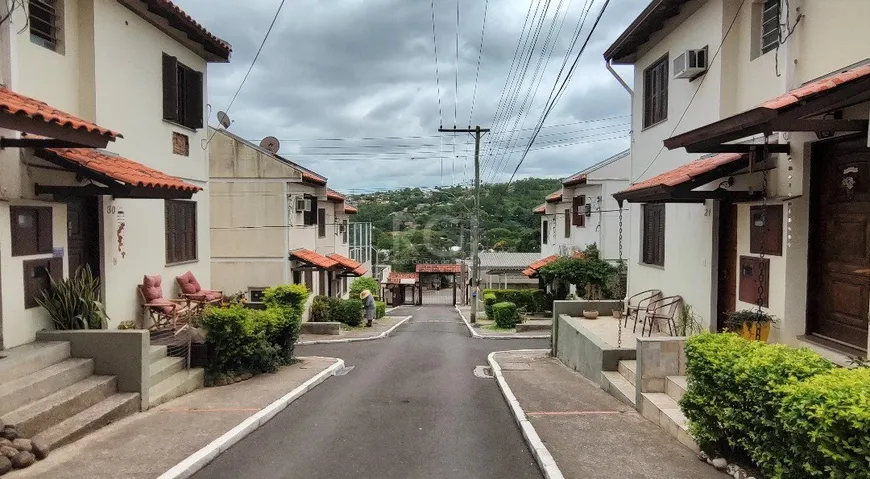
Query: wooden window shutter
{"x":660,"y":235}
{"x":170,"y":88}
{"x":321,"y":222}
{"x":577,"y":207}
{"x":44,"y":230}
{"x":170,"y":232}
{"x":193,"y":99}
{"x":567,"y":223}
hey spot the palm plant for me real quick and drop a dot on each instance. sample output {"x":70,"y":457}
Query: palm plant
{"x":75,"y":302}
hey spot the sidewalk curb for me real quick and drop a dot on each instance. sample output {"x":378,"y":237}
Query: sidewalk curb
{"x":476,"y":335}
{"x":542,"y":455}
{"x":355,"y":340}
{"x":207,"y":454}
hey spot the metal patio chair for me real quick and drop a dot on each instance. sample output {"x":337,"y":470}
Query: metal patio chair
{"x":638,"y":303}
{"x":663,"y":308}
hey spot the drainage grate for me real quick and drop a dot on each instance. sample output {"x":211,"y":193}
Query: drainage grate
{"x":484,"y":372}
{"x":343,"y":371}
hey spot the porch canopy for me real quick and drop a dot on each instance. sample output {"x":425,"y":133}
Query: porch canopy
{"x":678,"y":185}
{"x":351,"y":267}
{"x":532,"y":270}
{"x":795,"y":111}
{"x":111,"y":174}
{"x":55,"y":128}
{"x":313,"y":260}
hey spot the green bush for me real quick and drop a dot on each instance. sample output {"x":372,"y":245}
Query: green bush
{"x":489,"y":299}
{"x":320,"y":308}
{"x":347,"y":311}
{"x":239,"y":341}
{"x":286,"y":295}
{"x":735,"y":392}
{"x":827,"y":424}
{"x":532,"y":300}
{"x":380,"y":309}
{"x":505,"y":314}
{"x":281,"y":327}
{"x":362,"y":283}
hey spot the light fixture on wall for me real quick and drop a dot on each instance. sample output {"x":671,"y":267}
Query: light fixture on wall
{"x":834,"y":115}
{"x":724,"y":185}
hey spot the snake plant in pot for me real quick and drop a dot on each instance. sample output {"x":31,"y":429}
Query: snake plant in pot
{"x":75,"y":302}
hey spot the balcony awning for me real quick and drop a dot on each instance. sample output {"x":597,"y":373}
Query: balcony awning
{"x":117,"y":176}
{"x":354,"y":268}
{"x":678,"y":185}
{"x":313,"y":259}
{"x":791,"y":112}
{"x":58,"y":128}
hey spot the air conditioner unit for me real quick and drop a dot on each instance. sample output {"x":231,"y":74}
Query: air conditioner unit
{"x":587,"y":209}
{"x":302,"y":204}
{"x":342,"y":228}
{"x":690,"y":64}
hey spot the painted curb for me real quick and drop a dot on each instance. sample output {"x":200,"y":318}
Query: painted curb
{"x":355,"y":340}
{"x":198,"y":460}
{"x":539,"y":450}
{"x":476,"y":335}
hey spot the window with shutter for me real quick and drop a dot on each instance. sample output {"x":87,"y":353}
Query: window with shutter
{"x":579,"y":206}
{"x":31,"y":230}
{"x":182,"y":93}
{"x":567,"y":223}
{"x":310,"y":217}
{"x":321,"y":222}
{"x":180,"y":231}
{"x":655,"y":93}
{"x":545,"y":229}
{"x":653,"y":247}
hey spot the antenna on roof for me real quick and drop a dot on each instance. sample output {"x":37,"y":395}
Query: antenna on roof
{"x":224,"y":119}
{"x":271,"y":143}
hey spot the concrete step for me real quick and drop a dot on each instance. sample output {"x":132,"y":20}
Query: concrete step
{"x":177,"y":385}
{"x":535,"y":325}
{"x":618,"y":387}
{"x":165,"y":367}
{"x":40,"y":415}
{"x":100,"y":414}
{"x":28,"y":358}
{"x":675,"y":387}
{"x":44,"y":382}
{"x":661,"y":409}
{"x":628,"y":369}
{"x":156,"y":353}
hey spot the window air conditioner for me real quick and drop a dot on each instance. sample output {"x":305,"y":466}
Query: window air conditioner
{"x":690,"y":64}
{"x":587,"y":209}
{"x":302,"y":204}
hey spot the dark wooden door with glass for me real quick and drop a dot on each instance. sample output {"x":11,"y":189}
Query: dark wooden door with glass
{"x":838,"y":294}
{"x":83,"y":234}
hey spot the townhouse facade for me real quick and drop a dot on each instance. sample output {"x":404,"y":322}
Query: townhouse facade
{"x":583,"y":211}
{"x":136,"y":201}
{"x":749,"y":163}
{"x":275,"y":222}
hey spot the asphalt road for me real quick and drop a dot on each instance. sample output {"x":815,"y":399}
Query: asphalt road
{"x":411,"y":407}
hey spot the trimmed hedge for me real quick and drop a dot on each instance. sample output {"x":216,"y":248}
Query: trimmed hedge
{"x":380,"y":309}
{"x":533,"y":300}
{"x":286,"y":295}
{"x":320,"y":307}
{"x":505,"y":314}
{"x":828,"y":419}
{"x":785,"y":409}
{"x":489,"y":299}
{"x":347,"y":311}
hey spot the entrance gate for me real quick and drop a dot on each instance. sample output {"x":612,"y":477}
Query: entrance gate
{"x":438,"y":283}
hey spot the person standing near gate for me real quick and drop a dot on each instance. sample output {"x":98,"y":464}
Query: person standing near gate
{"x":369,"y":303}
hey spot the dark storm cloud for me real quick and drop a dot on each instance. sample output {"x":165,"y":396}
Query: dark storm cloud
{"x":366,"y":68}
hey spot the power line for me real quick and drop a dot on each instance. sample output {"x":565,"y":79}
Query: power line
{"x":437,"y":81}
{"x":561,"y":89}
{"x":700,"y":84}
{"x":477,"y":74}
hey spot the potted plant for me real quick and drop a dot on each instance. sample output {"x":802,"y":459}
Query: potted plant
{"x":751,"y":324}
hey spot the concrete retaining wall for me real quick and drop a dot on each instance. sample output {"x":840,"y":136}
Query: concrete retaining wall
{"x":583,"y":352}
{"x":576,"y":308}
{"x":120,"y":353}
{"x":658,"y":358}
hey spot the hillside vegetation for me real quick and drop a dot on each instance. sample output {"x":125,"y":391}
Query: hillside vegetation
{"x":413,"y":224}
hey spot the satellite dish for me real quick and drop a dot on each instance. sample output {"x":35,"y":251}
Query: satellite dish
{"x":224,"y":119}
{"x":271,"y":143}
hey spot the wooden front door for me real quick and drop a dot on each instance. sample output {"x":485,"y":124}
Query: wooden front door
{"x":727,"y":284}
{"x":838,"y":293}
{"x":83,"y":234}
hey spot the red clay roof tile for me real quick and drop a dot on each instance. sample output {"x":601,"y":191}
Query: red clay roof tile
{"x":350,"y":210}
{"x":533,"y":268}
{"x":313,"y":178}
{"x":396,"y":278}
{"x":121,"y":169}
{"x":439,"y":268}
{"x":554,"y":197}
{"x":353,"y":266}
{"x":541,"y":209}
{"x":189,"y":25}
{"x":816,"y":87}
{"x":312,"y":258}
{"x":335,"y":196}
{"x":17,"y":104}
{"x":685,"y":172}
{"x":578,"y":179}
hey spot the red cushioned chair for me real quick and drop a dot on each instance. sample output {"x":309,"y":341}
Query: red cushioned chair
{"x":163,"y":312}
{"x":193,"y":292}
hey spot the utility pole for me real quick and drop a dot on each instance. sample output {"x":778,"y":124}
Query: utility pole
{"x":475,"y":219}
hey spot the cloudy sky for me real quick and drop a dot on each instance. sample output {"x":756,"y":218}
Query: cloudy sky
{"x":350,"y":86}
